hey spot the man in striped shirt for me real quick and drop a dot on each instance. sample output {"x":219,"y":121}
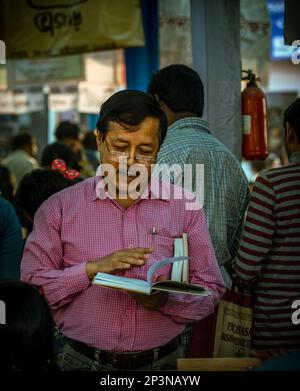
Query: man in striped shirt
{"x":269,"y":254}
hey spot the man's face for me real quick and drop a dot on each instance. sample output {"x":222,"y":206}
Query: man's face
{"x":139,"y":144}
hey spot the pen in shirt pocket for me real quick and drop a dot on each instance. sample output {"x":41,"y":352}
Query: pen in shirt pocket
{"x":153,"y":233}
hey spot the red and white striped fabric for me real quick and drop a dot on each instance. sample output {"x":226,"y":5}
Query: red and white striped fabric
{"x":270,"y":255}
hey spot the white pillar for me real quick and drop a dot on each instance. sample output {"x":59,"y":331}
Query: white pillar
{"x":215,"y":28}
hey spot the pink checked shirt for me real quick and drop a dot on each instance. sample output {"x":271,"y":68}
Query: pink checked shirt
{"x":75,"y":226}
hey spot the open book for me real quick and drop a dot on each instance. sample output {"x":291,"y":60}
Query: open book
{"x":148,"y":287}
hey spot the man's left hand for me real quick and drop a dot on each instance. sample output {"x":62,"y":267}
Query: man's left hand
{"x":154,"y":301}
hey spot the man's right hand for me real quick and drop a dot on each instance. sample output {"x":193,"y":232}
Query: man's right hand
{"x":118,"y":260}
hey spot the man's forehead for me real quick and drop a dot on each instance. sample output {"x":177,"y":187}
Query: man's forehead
{"x":146,"y":129}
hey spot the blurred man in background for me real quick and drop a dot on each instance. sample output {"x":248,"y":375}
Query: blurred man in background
{"x":22,"y":160}
{"x":180,"y":93}
{"x":189,"y":141}
{"x":69,"y":134}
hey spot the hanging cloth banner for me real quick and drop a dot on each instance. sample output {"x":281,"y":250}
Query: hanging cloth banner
{"x":40,"y":71}
{"x":62,"y":27}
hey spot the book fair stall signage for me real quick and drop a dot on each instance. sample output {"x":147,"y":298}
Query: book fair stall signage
{"x":57,"y":28}
{"x":35,"y":72}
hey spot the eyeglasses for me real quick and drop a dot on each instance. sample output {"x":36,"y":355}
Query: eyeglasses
{"x":118,"y":156}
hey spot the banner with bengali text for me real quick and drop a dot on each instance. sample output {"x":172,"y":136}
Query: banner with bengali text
{"x":42,"y":28}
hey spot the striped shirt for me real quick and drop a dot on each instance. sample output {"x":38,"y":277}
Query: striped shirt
{"x":269,"y":255}
{"x":75,"y":226}
{"x":226,"y":194}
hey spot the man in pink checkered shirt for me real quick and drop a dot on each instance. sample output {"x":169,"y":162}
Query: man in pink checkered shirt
{"x":82,"y":230}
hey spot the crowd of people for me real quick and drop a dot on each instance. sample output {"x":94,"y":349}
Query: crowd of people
{"x":61,"y":224}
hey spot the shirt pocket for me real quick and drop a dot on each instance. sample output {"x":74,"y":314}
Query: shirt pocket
{"x":163,"y":248}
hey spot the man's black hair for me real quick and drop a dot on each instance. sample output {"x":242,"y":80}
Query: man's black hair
{"x":26,"y":339}
{"x":292,"y":116}
{"x":67,"y":129}
{"x":37,"y":186}
{"x":60,"y":151}
{"x":22,"y":140}
{"x":90,"y":141}
{"x":130,"y":108}
{"x":180,"y":87}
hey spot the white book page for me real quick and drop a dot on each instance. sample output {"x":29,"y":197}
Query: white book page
{"x":160,"y":264}
{"x":120,"y":282}
{"x":185,"y":267}
{"x":177,"y":267}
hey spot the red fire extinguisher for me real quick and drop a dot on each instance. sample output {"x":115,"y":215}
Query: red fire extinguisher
{"x":254,"y":115}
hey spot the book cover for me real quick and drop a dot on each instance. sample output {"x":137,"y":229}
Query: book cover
{"x":148,"y":287}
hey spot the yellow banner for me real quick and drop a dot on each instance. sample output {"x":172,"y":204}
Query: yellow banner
{"x":3,"y":80}
{"x":47,"y":28}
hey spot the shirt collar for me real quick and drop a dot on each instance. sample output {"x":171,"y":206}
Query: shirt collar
{"x":156,"y":189}
{"x":194,"y":123}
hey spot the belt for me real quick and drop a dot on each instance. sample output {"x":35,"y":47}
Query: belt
{"x":128,"y":361}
